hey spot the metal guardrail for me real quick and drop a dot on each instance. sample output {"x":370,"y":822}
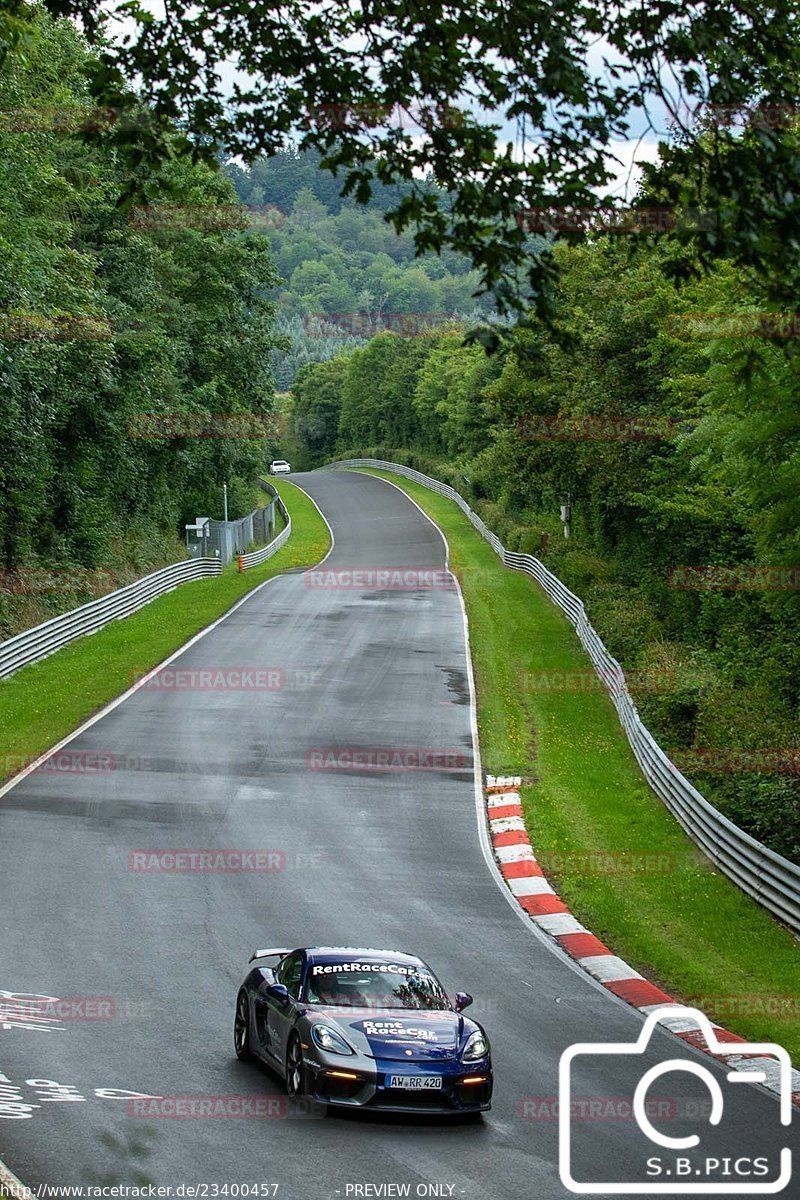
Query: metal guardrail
{"x":768,"y":877}
{"x":256,"y":557}
{"x":42,"y":640}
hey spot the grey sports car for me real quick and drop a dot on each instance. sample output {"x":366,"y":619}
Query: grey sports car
{"x":371,"y":1029}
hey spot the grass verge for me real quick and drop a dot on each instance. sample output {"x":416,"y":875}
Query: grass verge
{"x":683,"y":926}
{"x":42,"y":703}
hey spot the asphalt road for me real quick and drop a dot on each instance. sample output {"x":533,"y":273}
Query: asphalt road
{"x":366,"y":858}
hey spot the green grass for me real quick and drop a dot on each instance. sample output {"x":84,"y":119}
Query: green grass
{"x":687,"y":929}
{"x":42,"y":703}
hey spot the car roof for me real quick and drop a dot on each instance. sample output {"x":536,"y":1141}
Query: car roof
{"x":319,"y":954}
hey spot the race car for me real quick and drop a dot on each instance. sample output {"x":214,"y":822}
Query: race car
{"x":279,"y":467}
{"x":369,"y":1029}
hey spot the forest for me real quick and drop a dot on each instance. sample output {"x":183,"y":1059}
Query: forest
{"x":665,"y":412}
{"x":336,"y":259}
{"x":113,"y":328}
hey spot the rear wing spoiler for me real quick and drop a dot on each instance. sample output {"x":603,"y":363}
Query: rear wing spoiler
{"x":280,"y":952}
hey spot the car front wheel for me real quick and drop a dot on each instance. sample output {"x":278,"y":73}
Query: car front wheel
{"x":241,"y":1027}
{"x":295,"y":1074}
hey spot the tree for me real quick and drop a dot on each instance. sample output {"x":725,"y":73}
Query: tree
{"x":464,"y":72}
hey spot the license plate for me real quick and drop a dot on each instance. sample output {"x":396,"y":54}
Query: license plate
{"x":414,"y":1082}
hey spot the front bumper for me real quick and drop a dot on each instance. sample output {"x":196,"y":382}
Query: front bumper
{"x":334,"y":1084}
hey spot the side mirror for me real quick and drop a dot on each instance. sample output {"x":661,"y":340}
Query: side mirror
{"x":277,"y":991}
{"x":463,"y":1000}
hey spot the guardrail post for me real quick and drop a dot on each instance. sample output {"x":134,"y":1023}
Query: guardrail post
{"x":241,"y":563}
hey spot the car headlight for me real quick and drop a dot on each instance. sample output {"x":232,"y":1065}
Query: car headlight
{"x":477,"y":1047}
{"x":331,"y":1041}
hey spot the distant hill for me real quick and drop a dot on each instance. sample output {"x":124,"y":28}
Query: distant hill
{"x":339,"y":259}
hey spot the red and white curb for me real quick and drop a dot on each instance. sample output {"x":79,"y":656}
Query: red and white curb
{"x":534,"y":894}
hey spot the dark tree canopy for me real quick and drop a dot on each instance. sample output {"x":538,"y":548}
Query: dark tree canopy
{"x":571,"y":78}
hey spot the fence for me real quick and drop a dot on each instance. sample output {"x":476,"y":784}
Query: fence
{"x":768,"y":877}
{"x":256,"y":557}
{"x":225,"y":538}
{"x":33,"y":644}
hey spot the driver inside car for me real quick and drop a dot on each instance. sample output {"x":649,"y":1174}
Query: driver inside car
{"x":329,"y":989}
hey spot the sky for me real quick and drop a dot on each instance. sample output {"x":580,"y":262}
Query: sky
{"x":622,"y":156}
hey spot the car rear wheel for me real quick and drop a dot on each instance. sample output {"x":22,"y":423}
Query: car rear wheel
{"x":241,"y":1027}
{"x":295,"y":1074}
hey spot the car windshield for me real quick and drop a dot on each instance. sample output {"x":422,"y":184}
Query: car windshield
{"x":374,"y":985}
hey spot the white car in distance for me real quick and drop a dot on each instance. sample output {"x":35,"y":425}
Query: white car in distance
{"x":279,"y":467}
